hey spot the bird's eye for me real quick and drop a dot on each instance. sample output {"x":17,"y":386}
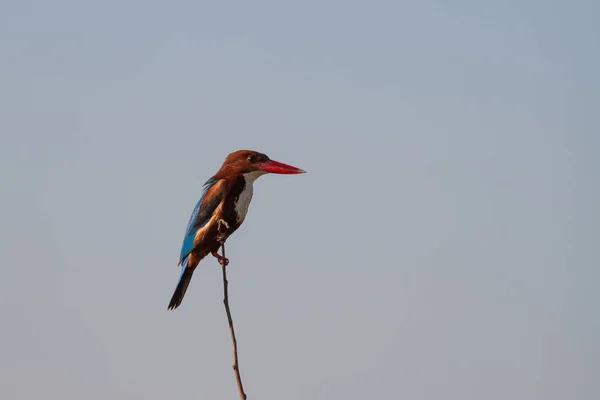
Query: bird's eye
{"x":251,"y":159}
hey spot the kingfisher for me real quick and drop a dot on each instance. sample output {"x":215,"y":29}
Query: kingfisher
{"x":221,"y":210}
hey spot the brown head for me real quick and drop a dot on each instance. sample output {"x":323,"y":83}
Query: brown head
{"x":254,"y":163}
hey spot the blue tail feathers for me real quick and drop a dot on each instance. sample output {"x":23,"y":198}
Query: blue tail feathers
{"x":182,"y":285}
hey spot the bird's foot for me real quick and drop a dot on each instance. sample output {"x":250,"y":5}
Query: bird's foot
{"x":222,"y":228}
{"x":222,"y":260}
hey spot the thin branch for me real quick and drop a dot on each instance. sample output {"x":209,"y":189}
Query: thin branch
{"x":224,"y":261}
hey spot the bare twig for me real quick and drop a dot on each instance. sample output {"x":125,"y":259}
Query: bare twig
{"x":224,"y":261}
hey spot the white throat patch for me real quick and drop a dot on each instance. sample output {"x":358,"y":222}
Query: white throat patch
{"x":243,"y":201}
{"x":252,"y":176}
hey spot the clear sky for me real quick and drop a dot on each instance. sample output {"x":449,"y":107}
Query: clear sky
{"x":443,"y":245}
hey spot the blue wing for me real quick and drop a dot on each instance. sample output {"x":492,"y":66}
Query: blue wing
{"x":200,"y":217}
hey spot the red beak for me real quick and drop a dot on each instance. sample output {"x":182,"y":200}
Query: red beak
{"x":276,"y":167}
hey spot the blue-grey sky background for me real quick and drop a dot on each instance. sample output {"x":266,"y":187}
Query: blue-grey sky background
{"x":443,"y":245}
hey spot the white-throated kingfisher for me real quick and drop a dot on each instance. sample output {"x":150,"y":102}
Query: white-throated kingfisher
{"x":221,"y":210}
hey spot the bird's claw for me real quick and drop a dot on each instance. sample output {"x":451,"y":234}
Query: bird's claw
{"x":222,"y":228}
{"x":222,"y":260}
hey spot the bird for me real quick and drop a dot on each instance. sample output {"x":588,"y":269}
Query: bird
{"x":221,"y":209}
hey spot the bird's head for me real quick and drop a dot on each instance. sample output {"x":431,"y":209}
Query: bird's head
{"x":253,"y":164}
